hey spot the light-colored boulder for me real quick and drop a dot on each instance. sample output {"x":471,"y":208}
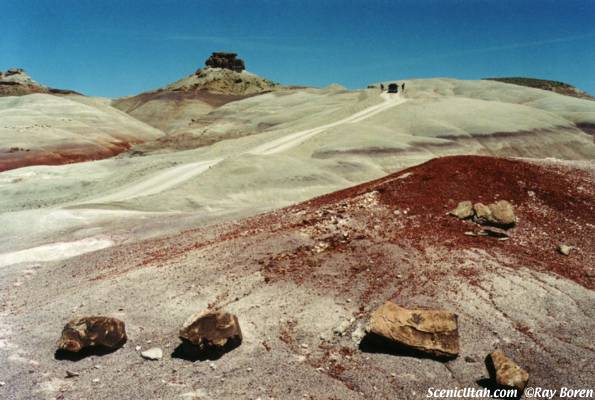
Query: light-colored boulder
{"x":502,"y":213}
{"x":499,"y":214}
{"x":482,"y":213}
{"x":464,"y":210}
{"x":434,"y":332}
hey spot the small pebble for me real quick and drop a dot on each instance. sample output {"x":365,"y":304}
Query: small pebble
{"x":154,"y":353}
{"x":71,"y":374}
{"x":564,"y":249}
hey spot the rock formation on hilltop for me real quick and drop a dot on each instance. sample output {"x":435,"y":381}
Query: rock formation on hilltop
{"x":16,"y":82}
{"x":225,"y":60}
{"x":17,"y":76}
{"x":224,"y":74}
{"x":177,"y":105}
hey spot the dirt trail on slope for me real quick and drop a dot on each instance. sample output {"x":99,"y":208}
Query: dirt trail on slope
{"x":180,"y":174}
{"x":174,"y":176}
{"x":159,"y":182}
{"x":290,"y":141}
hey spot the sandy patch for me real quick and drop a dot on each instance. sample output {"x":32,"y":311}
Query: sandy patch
{"x":55,"y":251}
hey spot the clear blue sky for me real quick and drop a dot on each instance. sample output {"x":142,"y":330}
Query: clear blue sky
{"x":123,"y":47}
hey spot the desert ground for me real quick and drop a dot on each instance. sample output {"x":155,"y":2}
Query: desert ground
{"x":299,"y":210}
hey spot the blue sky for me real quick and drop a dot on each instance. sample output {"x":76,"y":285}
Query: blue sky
{"x":123,"y":47}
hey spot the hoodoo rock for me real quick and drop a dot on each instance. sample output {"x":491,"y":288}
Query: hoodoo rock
{"x":434,"y":332}
{"x":507,"y":373}
{"x":225,"y":60}
{"x":86,"y":332}
{"x":212,"y":331}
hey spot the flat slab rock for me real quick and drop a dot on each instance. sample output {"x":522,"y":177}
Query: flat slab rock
{"x":507,"y":373}
{"x":212,"y":330}
{"x":94,"y":331}
{"x":434,"y":332}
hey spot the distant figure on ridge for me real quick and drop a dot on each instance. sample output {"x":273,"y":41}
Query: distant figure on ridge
{"x":382,"y":87}
{"x":403,"y":87}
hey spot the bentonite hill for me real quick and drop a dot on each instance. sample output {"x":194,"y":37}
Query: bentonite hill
{"x":229,"y":237}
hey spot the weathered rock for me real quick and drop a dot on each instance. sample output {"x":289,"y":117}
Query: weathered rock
{"x":507,"y":373}
{"x":499,"y":214}
{"x":216,"y":331}
{"x":502,"y":213}
{"x":463,"y":211}
{"x":434,"y":332}
{"x":564,"y":249}
{"x":94,"y":331}
{"x":482,"y":213}
{"x":154,"y":353}
{"x":14,"y":71}
{"x":225,"y":60}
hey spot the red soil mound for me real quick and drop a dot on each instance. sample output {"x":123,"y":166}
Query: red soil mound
{"x":554,"y":204}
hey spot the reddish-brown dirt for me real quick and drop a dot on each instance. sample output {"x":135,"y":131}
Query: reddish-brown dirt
{"x":348,"y":252}
{"x":380,"y":234}
{"x":554,"y":204}
{"x":16,"y":158}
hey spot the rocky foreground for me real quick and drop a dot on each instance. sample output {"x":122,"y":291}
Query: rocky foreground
{"x":304,"y":283}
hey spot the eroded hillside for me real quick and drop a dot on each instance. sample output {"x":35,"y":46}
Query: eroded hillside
{"x":304,"y":280}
